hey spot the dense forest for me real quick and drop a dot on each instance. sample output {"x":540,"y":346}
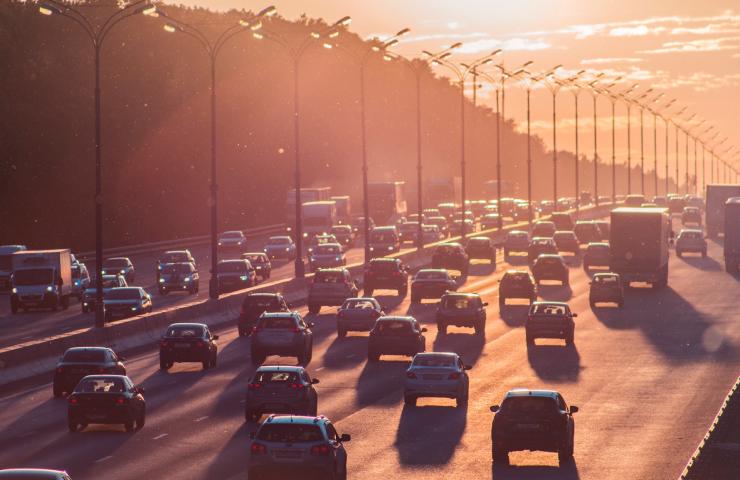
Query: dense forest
{"x":156,"y":127}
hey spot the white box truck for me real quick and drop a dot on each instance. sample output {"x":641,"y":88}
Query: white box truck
{"x":318,"y":217}
{"x":41,"y":279}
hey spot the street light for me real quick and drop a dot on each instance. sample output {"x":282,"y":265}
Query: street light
{"x":666,"y":121}
{"x":97,"y":35}
{"x":703,"y":142}
{"x":685,"y":131}
{"x":614,"y":98}
{"x":696,"y":165}
{"x":576,"y":90}
{"x":595,"y":92}
{"x":552,"y":84}
{"x":628,"y":103}
{"x":642,"y":105}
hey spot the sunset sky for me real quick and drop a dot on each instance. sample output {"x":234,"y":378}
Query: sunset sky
{"x":686,"y":48}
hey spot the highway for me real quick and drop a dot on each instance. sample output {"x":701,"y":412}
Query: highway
{"x":648,"y":380}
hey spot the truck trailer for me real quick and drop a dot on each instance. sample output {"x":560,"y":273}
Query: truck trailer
{"x":639,"y":239}
{"x":716,"y":198}
{"x":732,"y":235}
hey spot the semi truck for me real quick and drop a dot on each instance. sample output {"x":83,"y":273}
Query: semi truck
{"x":318,"y":217}
{"x":344,"y":209}
{"x":6,"y":264}
{"x":639,"y":239}
{"x":732,"y":235}
{"x":716,"y":198}
{"x":41,"y":279}
{"x":387,"y":202}
{"x":442,"y":190}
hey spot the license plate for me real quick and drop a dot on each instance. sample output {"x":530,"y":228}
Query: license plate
{"x":288,"y":454}
{"x":182,"y":345}
{"x":78,"y":370}
{"x":528,"y":426}
{"x":95,"y":416}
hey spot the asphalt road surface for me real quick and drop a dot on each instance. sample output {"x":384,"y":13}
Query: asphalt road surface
{"x":648,"y":380}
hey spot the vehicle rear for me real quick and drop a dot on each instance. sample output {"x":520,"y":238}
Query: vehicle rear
{"x":184,"y":343}
{"x":597,"y":255}
{"x":99,"y":399}
{"x":460,"y":310}
{"x":606,"y":287}
{"x":528,"y":423}
{"x":253,"y":306}
{"x":562,"y":221}
{"x":79,"y":363}
{"x":383,"y":240}
{"x":382,"y":273}
{"x":434,"y":375}
{"x":277,"y":334}
{"x":548,"y":321}
{"x":430,"y":283}
{"x":517,"y":285}
{"x":291,"y":450}
{"x":329,"y":288}
{"x":639,"y":245}
{"x":272,"y":390}
{"x":517,"y":242}
{"x":357,"y":315}
{"x":716,"y":200}
{"x":393,"y":337}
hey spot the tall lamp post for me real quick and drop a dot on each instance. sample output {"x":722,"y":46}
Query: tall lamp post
{"x":703,"y":142}
{"x":595,"y":93}
{"x":642,"y":104}
{"x":553,"y":85}
{"x":628,"y":103}
{"x":575,"y":89}
{"x":97,"y":35}
{"x":213,"y":48}
{"x":657,"y":115}
{"x":614,"y":98}
{"x":686,"y":131}
{"x":690,"y":131}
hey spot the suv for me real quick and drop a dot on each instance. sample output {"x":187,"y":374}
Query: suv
{"x":231,"y":240}
{"x":550,"y":320}
{"x":567,"y":242}
{"x":280,"y":389}
{"x":78,"y":362}
{"x":691,"y":240}
{"x":328,"y":255}
{"x":543,"y":228}
{"x":451,"y":256}
{"x":280,"y":248}
{"x":331,"y":287}
{"x":282,"y":333}
{"x":119,"y":266}
{"x":597,"y":255}
{"x":395,"y":335}
{"x":562,"y":220}
{"x":383,"y":240}
{"x":532,"y":420}
{"x":173,"y":256}
{"x":285,"y":444}
{"x":461,"y":310}
{"x":481,"y":247}
{"x":516,"y":284}
{"x":254,"y":305}
{"x":386,"y":273}
{"x":606,"y":287}
{"x":431,"y":283}
{"x":344,"y":234}
{"x":550,"y":267}
{"x":442,"y":223}
{"x":260,"y":262}
{"x":490,"y":221}
{"x":177,"y":277}
{"x":436,"y":374}
{"x":409,"y":231}
{"x":587,"y":231}
{"x":188,"y":342}
{"x":540,"y":245}
{"x":516,"y":241}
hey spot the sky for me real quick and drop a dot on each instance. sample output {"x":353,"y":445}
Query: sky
{"x":688,"y":50}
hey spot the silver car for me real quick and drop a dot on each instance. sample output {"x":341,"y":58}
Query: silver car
{"x":280,"y":248}
{"x":328,"y":255}
{"x":34,"y":474}
{"x":124,"y":302}
{"x":691,"y":240}
{"x":358,"y":315}
{"x":436,"y":374}
{"x":119,"y":266}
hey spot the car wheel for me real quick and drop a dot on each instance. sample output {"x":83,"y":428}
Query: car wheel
{"x":585,"y":266}
{"x":530,"y":339}
{"x":341,"y":333}
{"x":314,"y":411}
{"x":592,"y":304}
{"x":242,"y":332}
{"x":501,"y":303}
{"x":206,"y":364}
{"x":620,"y":303}
{"x":461,"y":400}
{"x":569,"y":339}
{"x":402,"y":292}
{"x":73,"y":426}
{"x":164,"y":364}
{"x":442,"y":328}
{"x":410,"y":400}
{"x":500,"y":456}
{"x":415,"y":299}
{"x":214,"y":360}
{"x":480,"y":329}
{"x":162,"y":291}
{"x":129,"y":426}
{"x":703,"y":254}
{"x":565,"y":456}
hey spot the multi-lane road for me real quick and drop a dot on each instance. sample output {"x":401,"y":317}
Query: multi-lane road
{"x":648,"y":380}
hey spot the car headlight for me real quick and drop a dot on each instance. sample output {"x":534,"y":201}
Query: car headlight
{"x":49,"y":288}
{"x":287,"y":249}
{"x":15,"y":290}
{"x":244,"y":278}
{"x":159,"y":267}
{"x":161,"y":280}
{"x":219,"y":244}
{"x":372,"y":249}
{"x":338,"y":258}
{"x":186,"y":279}
{"x":390,"y":249}
{"x":123,"y":272}
{"x":289,"y":229}
{"x":103,"y":272}
{"x":305,"y":235}
{"x":77,"y":283}
{"x":133,"y":309}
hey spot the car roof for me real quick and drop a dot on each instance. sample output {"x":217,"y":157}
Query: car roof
{"x":525,"y":392}
{"x":691,"y":230}
{"x":438,"y":270}
{"x":541,"y":239}
{"x":548,"y":256}
{"x":279,"y":237}
{"x":369,"y":299}
{"x":262,"y":294}
{"x":78,"y":349}
{"x":516,"y":272}
{"x":175,"y":251}
{"x":278,"y":315}
{"x":597,"y":244}
{"x":384,"y":260}
{"x":547,"y":302}
{"x":106,"y":375}
{"x":280,"y":368}
{"x":333,"y":244}
{"x":116,"y":258}
{"x":232,"y":231}
{"x":461,"y":294}
{"x":186,"y":325}
{"x":138,"y":289}
{"x":584,"y":222}
{"x":449,"y":244}
{"x":565,"y":232}
{"x":232,"y":260}
{"x":31,"y":473}
{"x":384,"y":228}
{"x":605,"y":274}
{"x":436,"y":354}
{"x":337,"y":270}
{"x":402,"y":318}
{"x":544,"y":222}
{"x":293,"y":419}
{"x":518,"y":232}
{"x":259,"y":254}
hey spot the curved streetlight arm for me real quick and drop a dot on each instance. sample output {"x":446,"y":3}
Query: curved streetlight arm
{"x":52,"y":7}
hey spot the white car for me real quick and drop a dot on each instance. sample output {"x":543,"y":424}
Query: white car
{"x":232,"y":240}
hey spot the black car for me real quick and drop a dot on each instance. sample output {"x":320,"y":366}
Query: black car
{"x":282,"y":333}
{"x":540,"y":245}
{"x":550,"y":320}
{"x":260,"y":262}
{"x":280,"y":389}
{"x":254,"y":305}
{"x":431,"y":283}
{"x":395,"y":335}
{"x":481,"y":248}
{"x":562,"y":220}
{"x":691,"y":215}
{"x":78,"y":362}
{"x":516,"y":241}
{"x":107,"y":399}
{"x":543,"y":229}
{"x":606,"y":287}
{"x":567,"y":242}
{"x":451,"y":256}
{"x":532,"y":420}
{"x":462,"y":310}
{"x":587,"y":231}
{"x":516,"y":284}
{"x":386,"y":273}
{"x":597,"y":255}
{"x":174,"y":256}
{"x":550,"y":267}
{"x":188,"y":342}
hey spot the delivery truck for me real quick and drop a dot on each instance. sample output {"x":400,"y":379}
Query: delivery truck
{"x":639,"y":239}
{"x":41,"y":279}
{"x":318,"y":217}
{"x":716,"y":198}
{"x":732,"y":235}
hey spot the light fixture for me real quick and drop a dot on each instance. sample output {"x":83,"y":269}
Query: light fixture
{"x":170,"y":28}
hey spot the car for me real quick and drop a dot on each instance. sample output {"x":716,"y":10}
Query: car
{"x":516,"y":284}
{"x":436,"y":374}
{"x":232,"y":240}
{"x":587,"y":231}
{"x":461,"y":310}
{"x":33,"y":474}
{"x":330,"y":287}
{"x":122,"y":302}
{"x":178,"y":277}
{"x":327,"y":255}
{"x":543,"y":228}
{"x":173,"y":256}
{"x":383,"y":240}
{"x":106,"y":399}
{"x":562,"y":221}
{"x":78,"y":362}
{"x":254,"y":305}
{"x":676,"y":204}
{"x":358,"y":315}
{"x":282,"y":333}
{"x":290,"y":446}
{"x":431,"y":212}
{"x":431,"y":283}
{"x":109,"y":281}
{"x":517,"y":241}
{"x":386,"y":273}
{"x":451,"y":256}
{"x":414,"y":218}
{"x":550,"y":267}
{"x":603,"y":229}
{"x":440,"y":222}
{"x":188,"y":342}
{"x":280,"y":389}
{"x":634,"y":200}
{"x":395,"y":335}
{"x":344,"y":235}
{"x":431,"y":234}
{"x":606,"y":287}
{"x":649,"y":205}
{"x":550,"y":320}
{"x":489,"y":221}
{"x":457,"y":226}
{"x":235,"y":275}
{"x":660,"y":201}
{"x":323,"y":239}
{"x":522,"y":213}
{"x":80,"y":280}
{"x":448,"y":209}
{"x":481,"y":248}
{"x":119,"y":266}
{"x":280,"y":248}
{"x":597,"y":255}
{"x":408,"y":232}
{"x":691,"y":240}
{"x":532,"y":420}
{"x":358,"y":224}
{"x":567,"y":241}
{"x":547,"y":207}
{"x":260,"y":262}
{"x":691,"y":215}
{"x":539,"y":246}
{"x":694,"y":201}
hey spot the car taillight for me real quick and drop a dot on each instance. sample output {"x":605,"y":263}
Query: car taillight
{"x":60,"y":370}
{"x":73,"y":401}
{"x":200,"y":344}
{"x":296,"y":386}
{"x":121,"y":401}
{"x":453,"y":376}
{"x":410,"y":375}
{"x":320,"y":450}
{"x":258,"y":449}
{"x":164,"y":343}
{"x":255,"y":385}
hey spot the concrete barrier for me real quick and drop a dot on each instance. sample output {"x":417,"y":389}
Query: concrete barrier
{"x":40,"y":356}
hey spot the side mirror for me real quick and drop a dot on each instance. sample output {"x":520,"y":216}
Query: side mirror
{"x":215,"y":337}
{"x":485,"y":304}
{"x":468,"y":367}
{"x":140,"y":389}
{"x":424,"y":329}
{"x":494,"y":408}
{"x":314,"y":381}
{"x":121,"y":359}
{"x":345,"y":437}
{"x":573,"y":409}
{"x":574,"y":315}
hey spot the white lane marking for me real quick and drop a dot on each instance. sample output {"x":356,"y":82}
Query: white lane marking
{"x":25,"y":392}
{"x":161,"y":435}
{"x":107,"y":457}
{"x":201,"y":418}
{"x":320,"y":368}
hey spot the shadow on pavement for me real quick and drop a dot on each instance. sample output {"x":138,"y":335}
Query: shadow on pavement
{"x":514,"y":315}
{"x":382,"y":382}
{"x":230,"y":461}
{"x":555,"y":293}
{"x":705,"y":264}
{"x":534,"y":472}
{"x":517,"y":260}
{"x":560,"y":363}
{"x":468,"y":345}
{"x":428,"y":435}
{"x":354,"y":344}
{"x":615,"y":318}
{"x":481,"y":269}
{"x":389,"y":303}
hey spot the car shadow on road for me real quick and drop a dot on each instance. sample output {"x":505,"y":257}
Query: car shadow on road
{"x":344,"y":353}
{"x":615,"y":318}
{"x":514,"y":315}
{"x":517,"y":260}
{"x":481,"y":269}
{"x":468,"y":345}
{"x":389,"y":303}
{"x":534,"y":472}
{"x":422,"y":311}
{"x":559,"y":363}
{"x":230,"y":460}
{"x":706,"y":264}
{"x":555,"y":293}
{"x":428,"y":435}
{"x":573,"y":261}
{"x":381,"y":382}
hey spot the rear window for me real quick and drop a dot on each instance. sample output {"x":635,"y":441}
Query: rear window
{"x":328,"y":277}
{"x":260,"y":302}
{"x":383,"y":266}
{"x":529,"y":406}
{"x":290,"y":433}
{"x":91,"y":356}
{"x":255,"y":258}
{"x":278,"y":241}
{"x":115,"y":263}
{"x":232,"y":235}
{"x":548,"y":310}
{"x":691,"y":235}
{"x":359,"y":304}
{"x":100,"y":385}
{"x":123,"y":294}
{"x":458,"y":302}
{"x":478,"y":241}
{"x":185,"y":332}
{"x":431,"y":276}
{"x":542,"y":242}
{"x":276,"y":377}
{"x":178,"y":268}
{"x":517,"y":236}
{"x":434,"y":361}
{"x":391,"y":327}
{"x":232,"y":267}
{"x":278,"y":323}
{"x":173,"y":257}
{"x":382,"y":237}
{"x":327,"y":250}
{"x":609,"y":280}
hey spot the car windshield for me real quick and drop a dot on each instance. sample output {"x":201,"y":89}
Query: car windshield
{"x":175,"y":257}
{"x":278,"y":241}
{"x":33,"y":276}
{"x":260,"y":302}
{"x":546,"y":309}
{"x":445,"y":250}
{"x":88,"y":356}
{"x":123,"y":294}
{"x":358,"y":304}
{"x":290,"y":433}
{"x":457,"y":302}
{"x":323,"y":239}
{"x":610,"y":279}
{"x":178,"y":268}
{"x":548,"y":260}
{"x":529,"y":406}
{"x":382,"y":237}
{"x":384,"y":266}
{"x":393,"y":327}
{"x":276,"y":377}
{"x":185,"y":331}
{"x":691,"y":235}
{"x":431,"y":275}
{"x":100,"y":385}
{"x":281,"y":323}
{"x":232,"y":267}
{"x":328,"y":277}
{"x":434,"y":361}
{"x":328,"y":250}
{"x":255,"y":258}
{"x":563,"y":236}
{"x":232,"y":235}
{"x":115,"y":263}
